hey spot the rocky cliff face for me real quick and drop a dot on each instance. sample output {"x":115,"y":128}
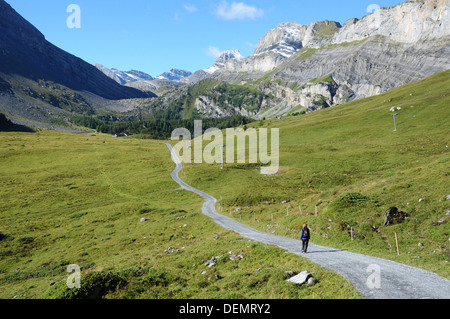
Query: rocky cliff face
{"x":323,"y":64}
{"x":281,"y":43}
{"x":287,"y":38}
{"x":408,"y":22}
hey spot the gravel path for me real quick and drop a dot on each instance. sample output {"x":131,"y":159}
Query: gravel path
{"x":373,"y":277}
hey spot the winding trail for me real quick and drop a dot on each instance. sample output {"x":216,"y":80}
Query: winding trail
{"x":374,"y":278}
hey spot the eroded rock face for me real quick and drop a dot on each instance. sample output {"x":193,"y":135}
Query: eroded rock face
{"x":364,"y":57}
{"x":407,"y":22}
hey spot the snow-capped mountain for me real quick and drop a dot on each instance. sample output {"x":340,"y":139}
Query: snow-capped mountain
{"x":122,"y":77}
{"x":133,"y":76}
{"x":222,"y":60}
{"x":174,"y":75}
{"x":287,"y":38}
{"x":225,"y":57}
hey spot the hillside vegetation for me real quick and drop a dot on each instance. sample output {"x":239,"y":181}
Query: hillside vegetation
{"x":109,"y":206}
{"x":350,"y":163}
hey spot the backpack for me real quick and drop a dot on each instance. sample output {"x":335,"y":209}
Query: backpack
{"x":304,"y":234}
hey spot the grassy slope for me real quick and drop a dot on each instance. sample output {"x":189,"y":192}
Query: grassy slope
{"x":78,"y":199}
{"x":74,"y":199}
{"x":353,"y":148}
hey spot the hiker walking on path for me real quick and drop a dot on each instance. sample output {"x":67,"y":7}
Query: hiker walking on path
{"x":305,"y":235}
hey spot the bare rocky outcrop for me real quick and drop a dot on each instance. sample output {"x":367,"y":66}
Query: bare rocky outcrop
{"x":309,"y":67}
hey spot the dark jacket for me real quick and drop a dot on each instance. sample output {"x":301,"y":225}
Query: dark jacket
{"x":305,"y":234}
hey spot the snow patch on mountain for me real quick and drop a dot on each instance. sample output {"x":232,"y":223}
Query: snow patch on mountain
{"x":174,"y":75}
{"x":223,"y":59}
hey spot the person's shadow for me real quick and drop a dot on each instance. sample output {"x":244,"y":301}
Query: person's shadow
{"x":326,"y":251}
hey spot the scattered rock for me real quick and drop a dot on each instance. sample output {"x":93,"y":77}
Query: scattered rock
{"x":235,"y":257}
{"x":421,"y":200}
{"x":301,"y":278}
{"x":217,"y":277}
{"x":312,"y":281}
{"x":143,"y":220}
{"x":447,"y":197}
{"x":420,"y":245}
{"x":393,"y":215}
{"x":212,"y":262}
{"x":171,"y":250}
{"x":441,"y":221}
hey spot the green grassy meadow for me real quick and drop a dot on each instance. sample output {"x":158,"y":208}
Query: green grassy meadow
{"x":349,"y":163}
{"x":79,"y":199}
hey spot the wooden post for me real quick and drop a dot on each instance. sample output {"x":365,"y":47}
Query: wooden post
{"x":351,"y":232}
{"x":316,"y":211}
{"x":396,"y":243}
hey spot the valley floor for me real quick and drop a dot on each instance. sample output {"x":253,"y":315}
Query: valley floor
{"x":373,"y":277}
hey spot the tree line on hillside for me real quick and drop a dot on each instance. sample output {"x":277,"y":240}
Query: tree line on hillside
{"x":157,"y":128}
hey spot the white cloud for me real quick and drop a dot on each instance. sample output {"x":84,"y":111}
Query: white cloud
{"x":213,"y":52}
{"x":190,"y":8}
{"x":238,"y":10}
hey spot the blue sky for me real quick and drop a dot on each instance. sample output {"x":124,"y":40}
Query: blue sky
{"x":156,"y":36}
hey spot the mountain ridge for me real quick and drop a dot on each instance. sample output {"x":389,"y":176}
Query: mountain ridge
{"x":337,"y":63}
{"x":40,"y":82}
{"x":24,"y":51}
{"x":294,"y":69}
